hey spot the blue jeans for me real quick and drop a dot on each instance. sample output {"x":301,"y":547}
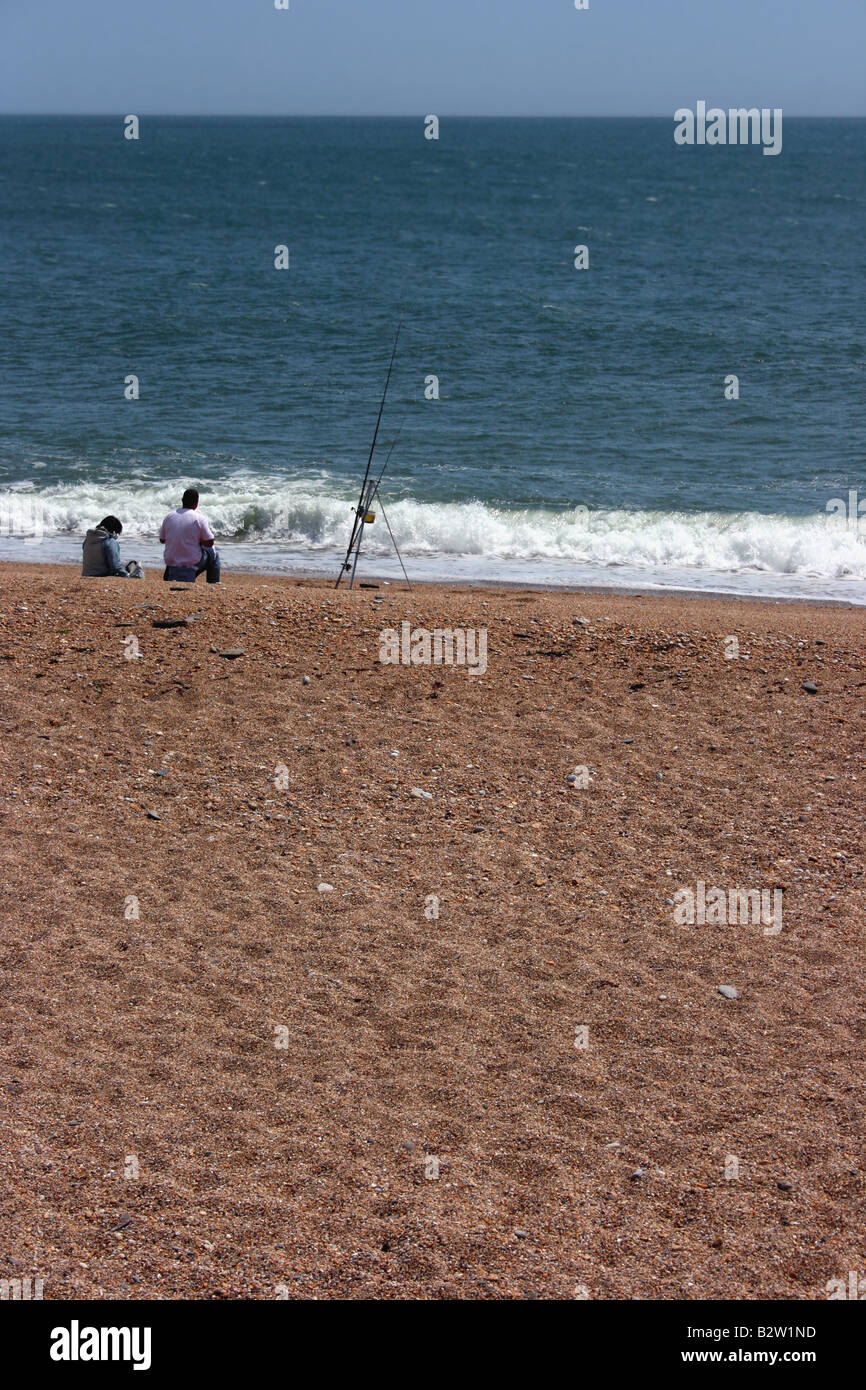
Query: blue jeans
{"x":188,"y":574}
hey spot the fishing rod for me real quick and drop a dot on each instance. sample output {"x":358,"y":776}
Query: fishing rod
{"x":368,"y":515}
{"x":390,"y":452}
{"x":374,"y":492}
{"x":361,"y":509}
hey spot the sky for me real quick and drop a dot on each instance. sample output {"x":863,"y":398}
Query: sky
{"x":448,"y":57}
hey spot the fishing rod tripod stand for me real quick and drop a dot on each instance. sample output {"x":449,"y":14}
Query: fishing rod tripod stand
{"x":365,"y":516}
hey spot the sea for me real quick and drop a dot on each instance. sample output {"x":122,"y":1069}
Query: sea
{"x":678,"y":406}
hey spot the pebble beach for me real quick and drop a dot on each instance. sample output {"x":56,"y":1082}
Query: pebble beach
{"x":319,"y":975}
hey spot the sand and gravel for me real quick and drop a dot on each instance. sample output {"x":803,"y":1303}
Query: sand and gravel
{"x":486,"y":1061}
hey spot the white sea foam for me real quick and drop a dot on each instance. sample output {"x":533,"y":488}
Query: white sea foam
{"x":308,"y":519}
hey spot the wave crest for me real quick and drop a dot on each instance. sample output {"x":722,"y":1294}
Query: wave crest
{"x":312,"y":518}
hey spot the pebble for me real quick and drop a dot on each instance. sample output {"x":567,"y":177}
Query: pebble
{"x":306,"y":680}
{"x":419,"y":791}
{"x":810,"y":687}
{"x":729,"y":992}
{"x":232,"y":653}
{"x":784,"y":1185}
{"x":151,"y":815}
{"x":326,"y":887}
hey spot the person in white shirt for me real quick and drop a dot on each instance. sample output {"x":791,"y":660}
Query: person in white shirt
{"x":189,"y":543}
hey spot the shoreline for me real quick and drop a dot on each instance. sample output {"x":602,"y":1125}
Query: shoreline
{"x":317,"y":580}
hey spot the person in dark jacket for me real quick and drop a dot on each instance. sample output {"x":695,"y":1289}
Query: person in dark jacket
{"x":101,"y":553}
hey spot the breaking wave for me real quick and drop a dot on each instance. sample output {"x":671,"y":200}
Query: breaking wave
{"x":315,"y":518}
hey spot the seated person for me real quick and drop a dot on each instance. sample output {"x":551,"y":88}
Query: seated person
{"x":188,"y":542}
{"x":101,"y":554}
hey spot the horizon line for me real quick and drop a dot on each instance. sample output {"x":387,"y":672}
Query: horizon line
{"x":396,"y":116}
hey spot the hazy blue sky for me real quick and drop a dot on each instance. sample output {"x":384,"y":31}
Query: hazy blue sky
{"x":402,"y":57}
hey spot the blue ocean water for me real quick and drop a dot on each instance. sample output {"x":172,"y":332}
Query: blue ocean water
{"x":581,"y":432}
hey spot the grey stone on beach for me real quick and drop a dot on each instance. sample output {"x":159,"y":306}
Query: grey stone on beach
{"x":729,"y":992}
{"x":232,"y":653}
{"x":419,"y":791}
{"x":151,"y":815}
{"x":810,"y":687}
